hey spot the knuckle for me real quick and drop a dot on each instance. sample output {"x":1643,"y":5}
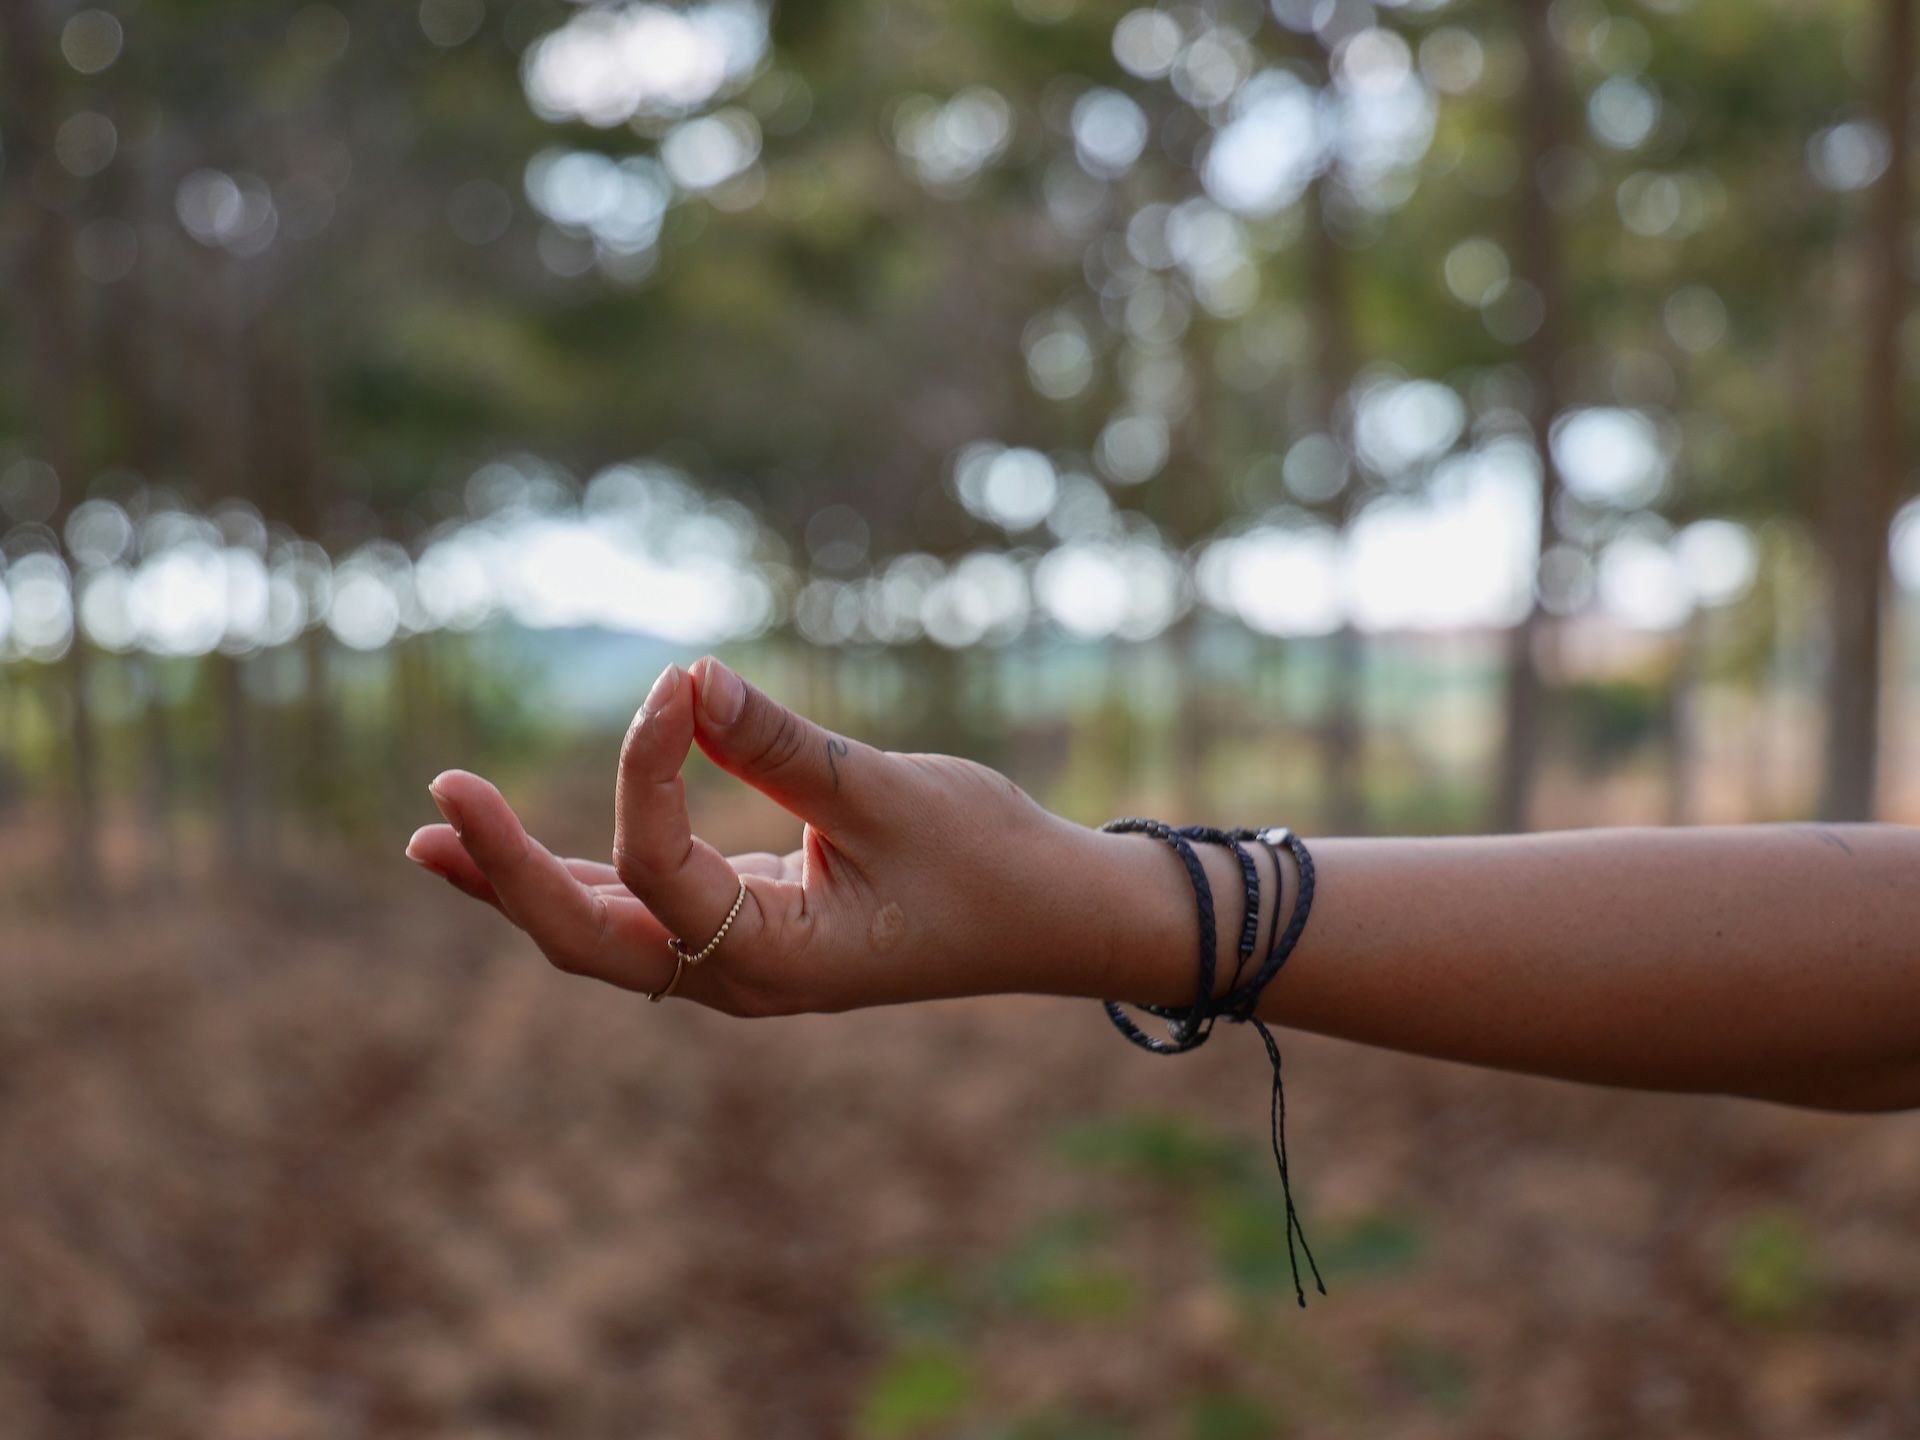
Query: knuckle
{"x":602,"y":923}
{"x":785,"y":739}
{"x":970,"y":782}
{"x":647,"y":859}
{"x":633,"y":873}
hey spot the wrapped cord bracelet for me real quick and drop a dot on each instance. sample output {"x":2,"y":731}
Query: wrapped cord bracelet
{"x":1188,"y":1029}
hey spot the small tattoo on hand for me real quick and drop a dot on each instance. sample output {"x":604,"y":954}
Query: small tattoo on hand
{"x":835,"y":746}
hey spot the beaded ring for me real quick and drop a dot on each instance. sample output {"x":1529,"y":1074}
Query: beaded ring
{"x":681,"y":956}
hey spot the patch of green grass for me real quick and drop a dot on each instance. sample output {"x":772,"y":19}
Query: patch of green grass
{"x":1155,"y":1147}
{"x":1051,"y":1273}
{"x":1055,"y":1425}
{"x":1069,"y":1290}
{"x":920,"y":1388}
{"x":1231,"y":1417}
{"x":1372,"y":1245}
{"x":1770,"y":1268}
{"x":1247,"y":1228}
{"x":914,"y":1295}
{"x":1432,"y":1371}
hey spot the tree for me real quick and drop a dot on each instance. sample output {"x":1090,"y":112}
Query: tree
{"x":1537,"y":252}
{"x":1862,"y":504}
{"x":44,"y":285}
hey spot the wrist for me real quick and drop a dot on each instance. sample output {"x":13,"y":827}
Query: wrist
{"x":1146,"y":946}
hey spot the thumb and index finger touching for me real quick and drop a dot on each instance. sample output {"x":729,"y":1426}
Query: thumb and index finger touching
{"x":682,"y":879}
{"x":686,"y":886}
{"x":807,"y":770}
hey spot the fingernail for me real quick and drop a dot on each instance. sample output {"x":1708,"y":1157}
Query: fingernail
{"x":448,"y":810}
{"x":663,"y":689}
{"x":722,"y":695}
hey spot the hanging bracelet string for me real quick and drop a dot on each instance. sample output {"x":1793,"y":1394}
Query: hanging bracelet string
{"x":1188,"y":1029}
{"x":1243,"y":1003}
{"x":1238,"y":1006}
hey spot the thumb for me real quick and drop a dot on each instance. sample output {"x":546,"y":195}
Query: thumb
{"x":825,"y":779}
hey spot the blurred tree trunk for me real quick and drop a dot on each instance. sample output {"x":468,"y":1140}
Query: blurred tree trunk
{"x":319,"y":731}
{"x":944,"y":680}
{"x":1537,"y":253}
{"x":1680,"y":722}
{"x":129,"y":364}
{"x":50,"y":330}
{"x":293,"y":443}
{"x":161,"y":773}
{"x":1115,"y":726}
{"x":1192,"y":718}
{"x":1344,"y":793}
{"x":1862,"y":505}
{"x":406,"y":712}
{"x":221,"y":402}
{"x":1343,"y":736}
{"x":236,"y":767}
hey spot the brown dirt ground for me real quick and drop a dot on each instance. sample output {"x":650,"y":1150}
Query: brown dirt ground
{"x":355,"y":1162}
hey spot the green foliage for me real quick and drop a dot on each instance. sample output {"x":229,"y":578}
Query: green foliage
{"x":1610,"y":719}
{"x":1236,"y":1204}
{"x":1066,"y":1272}
{"x":1770,"y":1269}
{"x":916,"y":1296}
{"x":1403,"y":799}
{"x":1247,"y":1230}
{"x":1164,"y":1147}
{"x":1434,"y":1372}
{"x":1246,"y":1225}
{"x":1374,"y":1245}
{"x":920,"y":1388}
{"x":1053,"y":1425}
{"x":834,"y":332}
{"x":1055,"y":1274}
{"x":1232,"y":1417}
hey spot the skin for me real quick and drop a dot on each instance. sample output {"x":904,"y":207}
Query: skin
{"x":1768,"y":961}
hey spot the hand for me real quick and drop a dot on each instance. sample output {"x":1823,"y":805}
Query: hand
{"x":918,"y":876}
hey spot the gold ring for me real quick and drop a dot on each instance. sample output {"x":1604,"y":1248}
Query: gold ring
{"x":680,"y":950}
{"x":679,"y":964}
{"x":682,"y":959}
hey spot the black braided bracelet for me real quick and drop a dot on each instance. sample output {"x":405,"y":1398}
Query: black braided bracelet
{"x":1185,"y":1030}
{"x":1243,"y":1001}
{"x":1250,"y":915}
{"x":1188,"y":1029}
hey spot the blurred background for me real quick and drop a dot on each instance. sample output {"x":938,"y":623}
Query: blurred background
{"x":1423,"y":417}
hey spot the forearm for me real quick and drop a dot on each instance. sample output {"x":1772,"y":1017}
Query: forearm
{"x":1768,"y":962}
{"x":1778,"y":962}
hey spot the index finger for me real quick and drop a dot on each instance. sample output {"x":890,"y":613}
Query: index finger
{"x":436,"y":849}
{"x":577,"y":928}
